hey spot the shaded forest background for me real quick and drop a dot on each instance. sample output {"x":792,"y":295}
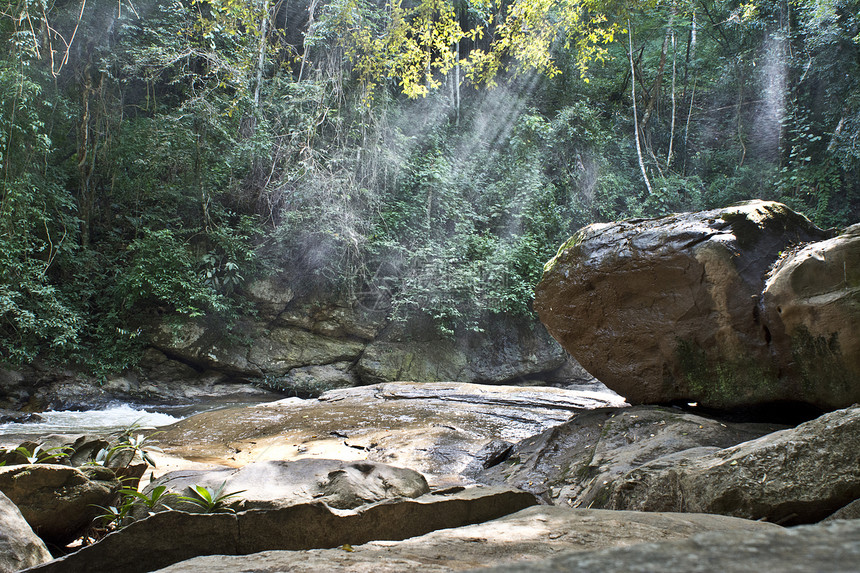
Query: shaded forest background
{"x":423,"y":157}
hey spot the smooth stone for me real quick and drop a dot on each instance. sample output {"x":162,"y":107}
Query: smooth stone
{"x":795,"y":476}
{"x":276,"y":483}
{"x":669,"y":309}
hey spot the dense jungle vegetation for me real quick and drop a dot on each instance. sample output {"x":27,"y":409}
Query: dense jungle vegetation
{"x":421,"y":156}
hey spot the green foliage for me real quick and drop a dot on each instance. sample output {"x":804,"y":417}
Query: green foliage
{"x":156,"y":165}
{"x":211,"y":500}
{"x":126,"y":449}
{"x":158,"y":496}
{"x":161,"y":271}
{"x":41,"y":455}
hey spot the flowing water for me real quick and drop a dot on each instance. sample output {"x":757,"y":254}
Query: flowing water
{"x":97,"y":422}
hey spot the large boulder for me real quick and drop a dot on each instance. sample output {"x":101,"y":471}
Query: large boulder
{"x":826,"y":548}
{"x":793,"y":476}
{"x":669,"y":309}
{"x":438,"y":429}
{"x":528,"y":535}
{"x":276,"y":483}
{"x":19,"y":546}
{"x":59,"y":502}
{"x":812,"y":311}
{"x":171,"y":536}
{"x":571,"y":463}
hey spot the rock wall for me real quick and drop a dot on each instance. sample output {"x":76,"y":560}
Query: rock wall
{"x":300,"y":346}
{"x":308,"y":347}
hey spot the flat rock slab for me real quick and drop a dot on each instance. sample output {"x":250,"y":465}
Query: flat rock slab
{"x":172,"y":536}
{"x":531,"y":534}
{"x":434,"y":428}
{"x":826,"y":548}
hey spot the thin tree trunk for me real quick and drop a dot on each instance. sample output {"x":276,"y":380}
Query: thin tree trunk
{"x":635,"y":112}
{"x":740,"y":127}
{"x":653,"y":94}
{"x":836,"y":133}
{"x":262,"y":53}
{"x":672,"y":125}
{"x":84,"y":149}
{"x":311,"y":9}
{"x":457,"y":82}
{"x":687,"y":126}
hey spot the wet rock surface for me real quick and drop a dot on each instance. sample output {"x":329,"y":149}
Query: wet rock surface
{"x":826,"y":548}
{"x":573,"y":462}
{"x":531,"y":534}
{"x":434,"y":428}
{"x":58,"y":502}
{"x":670,"y":308}
{"x":169,"y":537}
{"x":19,"y":546}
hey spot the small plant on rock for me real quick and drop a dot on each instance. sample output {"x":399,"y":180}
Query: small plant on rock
{"x":43,"y":456}
{"x":211,"y":500}
{"x":158,"y":495}
{"x":113,"y":517}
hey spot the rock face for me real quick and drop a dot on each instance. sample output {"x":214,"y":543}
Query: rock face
{"x":516,"y":349}
{"x":826,"y":548}
{"x":812,"y":309}
{"x":19,"y":546}
{"x":58,"y":501}
{"x":437,"y":429}
{"x":670,"y":308}
{"x":160,"y":381}
{"x":276,"y":483}
{"x":793,"y":476}
{"x":531,"y":534}
{"x":570,"y":464}
{"x":302,"y":345}
{"x":172,"y":536}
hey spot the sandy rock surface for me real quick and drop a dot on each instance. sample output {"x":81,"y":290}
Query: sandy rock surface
{"x":434,"y":428}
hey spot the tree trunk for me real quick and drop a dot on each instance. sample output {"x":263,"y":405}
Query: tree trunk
{"x":635,"y":112}
{"x":261,"y":60}
{"x":672,"y":125}
{"x":457,"y":82}
{"x":311,"y":9}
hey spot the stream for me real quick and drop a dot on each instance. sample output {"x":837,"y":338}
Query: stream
{"x":115,"y":417}
{"x":98,"y":422}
